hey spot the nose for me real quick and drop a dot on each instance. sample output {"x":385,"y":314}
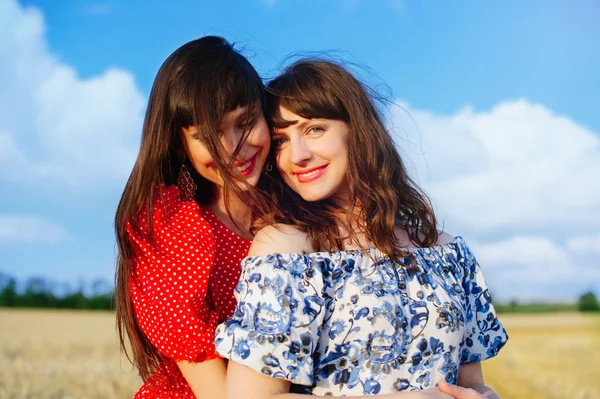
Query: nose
{"x":231,"y":138}
{"x":299,"y":151}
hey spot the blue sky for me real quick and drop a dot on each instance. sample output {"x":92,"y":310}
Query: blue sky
{"x":504,"y":96}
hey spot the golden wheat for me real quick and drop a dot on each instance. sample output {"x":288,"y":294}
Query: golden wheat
{"x":554,"y":356}
{"x":48,"y":354}
{"x":51,"y":354}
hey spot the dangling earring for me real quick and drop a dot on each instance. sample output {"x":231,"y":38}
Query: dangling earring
{"x":268,"y":168}
{"x":187,"y":186}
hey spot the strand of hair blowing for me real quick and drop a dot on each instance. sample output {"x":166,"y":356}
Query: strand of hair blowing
{"x":378,"y":182}
{"x":196,"y":86}
{"x":138,"y":195}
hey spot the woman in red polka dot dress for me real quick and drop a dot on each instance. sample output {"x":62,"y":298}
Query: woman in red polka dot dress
{"x":184,"y":218}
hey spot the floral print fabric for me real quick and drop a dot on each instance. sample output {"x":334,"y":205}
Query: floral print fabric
{"x":356,"y":323}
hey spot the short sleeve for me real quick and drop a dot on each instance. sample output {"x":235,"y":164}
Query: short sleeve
{"x":277,"y":322}
{"x":484,"y":335}
{"x":169,"y":284}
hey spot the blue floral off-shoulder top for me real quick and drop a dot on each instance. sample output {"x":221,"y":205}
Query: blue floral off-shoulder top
{"x":355,"y":323}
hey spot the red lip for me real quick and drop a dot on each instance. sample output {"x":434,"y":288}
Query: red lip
{"x":319,"y":171}
{"x":250,"y":168}
{"x":238,"y":164}
{"x":304,"y":171}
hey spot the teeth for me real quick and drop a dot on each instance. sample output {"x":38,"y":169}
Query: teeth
{"x":310,"y":174}
{"x":245,"y":166}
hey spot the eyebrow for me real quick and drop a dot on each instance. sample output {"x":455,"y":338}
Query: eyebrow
{"x":285,"y":123}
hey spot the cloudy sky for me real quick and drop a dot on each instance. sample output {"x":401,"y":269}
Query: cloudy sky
{"x":497,"y":117}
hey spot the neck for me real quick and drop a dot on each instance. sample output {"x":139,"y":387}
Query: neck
{"x":353,"y":228}
{"x":239,"y":218}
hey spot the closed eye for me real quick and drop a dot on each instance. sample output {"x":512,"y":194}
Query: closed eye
{"x":246,"y":125}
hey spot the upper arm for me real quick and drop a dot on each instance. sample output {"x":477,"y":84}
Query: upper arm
{"x":470,"y":374}
{"x":279,"y":239}
{"x":207,"y":379}
{"x":169,"y":290}
{"x":280,"y":309}
{"x":243,"y":382}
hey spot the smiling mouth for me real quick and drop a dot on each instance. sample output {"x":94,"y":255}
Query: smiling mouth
{"x":247,"y":167}
{"x":311,"y":174}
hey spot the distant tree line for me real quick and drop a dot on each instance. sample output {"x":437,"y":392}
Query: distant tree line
{"x":38,"y":292}
{"x":588,"y":302}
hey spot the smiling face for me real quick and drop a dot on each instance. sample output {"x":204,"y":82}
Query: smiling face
{"x":312,"y":156}
{"x":250,"y":159}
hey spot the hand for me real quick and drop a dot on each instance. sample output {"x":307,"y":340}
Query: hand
{"x":432,"y":393}
{"x":459,"y":392}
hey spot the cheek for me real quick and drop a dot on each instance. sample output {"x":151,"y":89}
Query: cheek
{"x":200,"y":155}
{"x":337,"y":151}
{"x":340,"y":147}
{"x":260,"y":135}
{"x":281,"y":161}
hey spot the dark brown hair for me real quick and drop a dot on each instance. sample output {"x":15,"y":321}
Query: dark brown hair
{"x":379,"y":184}
{"x":196,"y":86}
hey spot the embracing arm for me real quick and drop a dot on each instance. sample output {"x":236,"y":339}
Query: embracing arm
{"x":245,"y":383}
{"x":470,"y":384}
{"x":170,"y":291}
{"x":207,"y":379}
{"x":471,"y":376}
{"x":484,"y":338}
{"x":259,"y":367}
{"x":249,"y":383}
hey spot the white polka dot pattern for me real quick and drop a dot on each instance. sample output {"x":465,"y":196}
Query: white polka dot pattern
{"x":183,"y":284}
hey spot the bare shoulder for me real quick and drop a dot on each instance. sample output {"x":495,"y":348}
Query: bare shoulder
{"x":404,"y":241}
{"x":445,"y":238}
{"x":279,"y":238}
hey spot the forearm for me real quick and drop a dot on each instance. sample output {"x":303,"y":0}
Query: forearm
{"x":398,"y":395}
{"x":484,"y":390}
{"x":246,"y":383}
{"x":298,"y":396}
{"x":206,"y":379}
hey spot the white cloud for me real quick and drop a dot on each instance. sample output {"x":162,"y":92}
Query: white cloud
{"x":57,"y":125}
{"x":29,"y":229}
{"x":518,"y":181}
{"x":585,"y":245}
{"x":527,"y":258}
{"x":515,"y":167}
{"x":537,"y":268}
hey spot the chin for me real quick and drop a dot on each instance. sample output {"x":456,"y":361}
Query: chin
{"x":312,"y":197}
{"x":252,"y":182}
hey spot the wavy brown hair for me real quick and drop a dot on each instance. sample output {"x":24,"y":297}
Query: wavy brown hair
{"x":381,"y":191}
{"x":196,"y":86}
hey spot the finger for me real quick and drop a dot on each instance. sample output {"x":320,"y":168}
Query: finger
{"x":455,"y":390}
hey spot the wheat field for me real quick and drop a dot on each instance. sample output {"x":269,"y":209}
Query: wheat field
{"x":51,"y":354}
{"x":61,"y":354}
{"x":548,"y":356}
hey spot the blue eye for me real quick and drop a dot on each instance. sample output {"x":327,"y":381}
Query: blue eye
{"x":315,"y":130}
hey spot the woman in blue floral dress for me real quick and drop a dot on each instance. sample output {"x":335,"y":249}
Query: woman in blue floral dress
{"x":356,"y":292}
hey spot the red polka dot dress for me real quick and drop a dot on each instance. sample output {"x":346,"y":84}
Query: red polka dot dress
{"x":182,"y":286}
